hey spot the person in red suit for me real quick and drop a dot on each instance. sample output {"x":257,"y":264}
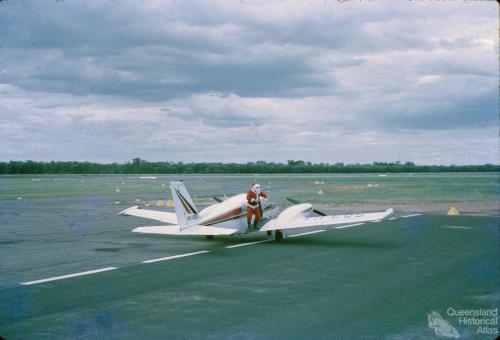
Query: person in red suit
{"x":254,"y":196}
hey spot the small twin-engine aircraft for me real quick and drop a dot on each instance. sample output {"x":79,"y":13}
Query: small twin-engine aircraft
{"x":228,"y":217}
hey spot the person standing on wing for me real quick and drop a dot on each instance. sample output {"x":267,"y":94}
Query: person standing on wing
{"x":253,"y":204}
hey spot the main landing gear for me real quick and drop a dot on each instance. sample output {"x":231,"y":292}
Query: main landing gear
{"x":278,"y":236}
{"x":210,"y":237}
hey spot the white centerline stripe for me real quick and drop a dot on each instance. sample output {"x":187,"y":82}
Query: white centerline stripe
{"x":246,"y":244}
{"x":411,"y":215}
{"x":176,"y":256}
{"x":68,"y":276}
{"x":392,"y":218}
{"x":308,"y":233}
{"x":348,"y":226}
{"x":456,"y":227}
{"x":376,"y":221}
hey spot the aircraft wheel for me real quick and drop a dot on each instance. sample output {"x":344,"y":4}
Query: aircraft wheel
{"x":278,"y":235}
{"x":269,"y":232}
{"x":210,"y":237}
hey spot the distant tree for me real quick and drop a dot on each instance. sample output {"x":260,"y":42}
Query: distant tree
{"x":138,"y":166}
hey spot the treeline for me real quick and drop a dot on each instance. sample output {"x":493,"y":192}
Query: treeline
{"x":139,"y":166}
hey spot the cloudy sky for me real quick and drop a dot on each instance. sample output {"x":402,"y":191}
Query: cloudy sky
{"x":238,"y":81}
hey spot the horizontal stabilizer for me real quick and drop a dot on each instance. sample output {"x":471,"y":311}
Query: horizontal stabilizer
{"x":195,"y":230}
{"x":306,"y":222}
{"x":162,"y":216}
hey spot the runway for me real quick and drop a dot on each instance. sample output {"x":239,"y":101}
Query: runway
{"x":372,"y":280}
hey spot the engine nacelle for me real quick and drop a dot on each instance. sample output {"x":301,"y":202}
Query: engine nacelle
{"x":292,"y":214}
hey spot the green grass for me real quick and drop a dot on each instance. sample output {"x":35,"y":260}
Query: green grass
{"x":336,"y":188}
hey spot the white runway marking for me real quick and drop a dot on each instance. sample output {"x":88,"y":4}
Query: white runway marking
{"x":176,"y":256}
{"x":246,"y":244}
{"x":348,"y":226}
{"x":411,"y":215}
{"x":68,"y":276}
{"x":456,"y":227}
{"x":376,"y":221}
{"x":311,"y":232}
{"x":392,"y":218}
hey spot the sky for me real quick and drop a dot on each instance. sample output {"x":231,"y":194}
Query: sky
{"x":242,"y":81}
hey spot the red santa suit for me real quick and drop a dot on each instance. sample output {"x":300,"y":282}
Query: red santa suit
{"x":253,"y":207}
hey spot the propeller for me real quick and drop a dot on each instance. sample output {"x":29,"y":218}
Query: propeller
{"x":319,"y":212}
{"x":294,"y":201}
{"x":217,"y":199}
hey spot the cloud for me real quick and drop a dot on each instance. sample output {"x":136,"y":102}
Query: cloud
{"x":101,"y":129}
{"x":320,"y":81}
{"x":428,"y":79}
{"x":169,"y":57}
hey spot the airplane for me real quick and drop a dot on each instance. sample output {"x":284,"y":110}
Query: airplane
{"x":228,"y":217}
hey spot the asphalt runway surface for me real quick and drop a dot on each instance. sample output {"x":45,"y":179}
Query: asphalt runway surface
{"x":96,"y":279}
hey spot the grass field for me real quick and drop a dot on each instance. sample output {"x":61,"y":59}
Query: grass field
{"x":472,"y":192}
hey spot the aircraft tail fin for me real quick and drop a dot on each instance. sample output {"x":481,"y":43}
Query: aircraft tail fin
{"x":184,"y":207}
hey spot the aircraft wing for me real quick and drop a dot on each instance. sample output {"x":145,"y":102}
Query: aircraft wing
{"x":163,"y":216}
{"x":301,"y":221}
{"x":192,"y":230}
